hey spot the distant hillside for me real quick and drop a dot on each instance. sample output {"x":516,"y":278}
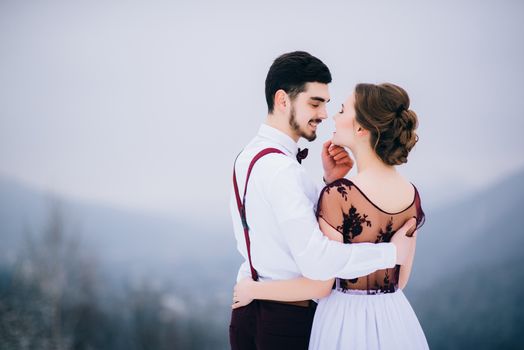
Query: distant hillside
{"x":468,"y":280}
{"x":479,"y":308}
{"x":190,"y":264}
{"x":482,"y":229}
{"x":466,"y":286}
{"x":126,"y":241}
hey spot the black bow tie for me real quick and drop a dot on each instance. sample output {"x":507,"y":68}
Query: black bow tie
{"x":302,"y":154}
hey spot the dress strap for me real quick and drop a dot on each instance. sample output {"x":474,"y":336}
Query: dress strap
{"x":421,"y":217}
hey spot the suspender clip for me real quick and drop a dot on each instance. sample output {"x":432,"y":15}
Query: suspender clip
{"x":243,"y":218}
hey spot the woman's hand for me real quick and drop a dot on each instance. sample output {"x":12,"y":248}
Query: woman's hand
{"x":336,"y":161}
{"x":243,"y":293}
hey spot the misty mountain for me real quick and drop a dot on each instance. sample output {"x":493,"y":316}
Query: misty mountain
{"x":479,"y":230}
{"x":124,"y":242}
{"x":466,"y":285}
{"x":468,"y":281}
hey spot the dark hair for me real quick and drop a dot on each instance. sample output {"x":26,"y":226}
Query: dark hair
{"x":291,"y":71}
{"x":384,"y":111}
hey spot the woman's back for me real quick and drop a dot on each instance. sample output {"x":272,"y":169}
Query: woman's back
{"x":348,"y":209}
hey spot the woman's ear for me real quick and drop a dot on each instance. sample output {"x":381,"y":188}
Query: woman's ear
{"x":360,"y":131}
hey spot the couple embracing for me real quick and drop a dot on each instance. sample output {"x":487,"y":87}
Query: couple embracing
{"x":325,"y":271}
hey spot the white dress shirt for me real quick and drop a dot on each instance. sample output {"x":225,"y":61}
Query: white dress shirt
{"x":286,"y":241}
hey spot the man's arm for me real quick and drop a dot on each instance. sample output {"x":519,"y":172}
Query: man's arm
{"x":246,"y":290}
{"x":316,"y":256}
{"x":286,"y":290}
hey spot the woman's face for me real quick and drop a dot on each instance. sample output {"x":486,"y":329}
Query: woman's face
{"x":345,"y":124}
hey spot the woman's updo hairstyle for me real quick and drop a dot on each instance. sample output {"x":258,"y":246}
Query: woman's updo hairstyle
{"x":384,"y":111}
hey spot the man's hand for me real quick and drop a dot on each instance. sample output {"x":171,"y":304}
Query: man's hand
{"x":242,"y":294}
{"x":336,"y":161}
{"x":404,"y":243}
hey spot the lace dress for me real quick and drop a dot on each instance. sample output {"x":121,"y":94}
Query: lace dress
{"x":368,"y":312}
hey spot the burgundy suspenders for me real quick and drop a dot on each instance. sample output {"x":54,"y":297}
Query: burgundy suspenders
{"x":241,"y":203}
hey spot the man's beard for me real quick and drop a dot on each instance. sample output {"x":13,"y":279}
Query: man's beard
{"x":294,"y":125}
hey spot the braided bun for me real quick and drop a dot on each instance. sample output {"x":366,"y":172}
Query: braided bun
{"x":384,"y":111}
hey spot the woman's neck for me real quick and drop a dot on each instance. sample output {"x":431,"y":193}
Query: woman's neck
{"x":367,"y":161}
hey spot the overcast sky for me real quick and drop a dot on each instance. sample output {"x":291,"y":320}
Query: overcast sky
{"x":145,"y":104}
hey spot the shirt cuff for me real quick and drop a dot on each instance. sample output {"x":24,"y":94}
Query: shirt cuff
{"x":390,"y":254}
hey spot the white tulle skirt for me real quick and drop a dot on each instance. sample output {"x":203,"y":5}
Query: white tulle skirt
{"x":366,"y":322}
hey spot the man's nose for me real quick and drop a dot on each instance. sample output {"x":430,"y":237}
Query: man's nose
{"x":322,"y":113}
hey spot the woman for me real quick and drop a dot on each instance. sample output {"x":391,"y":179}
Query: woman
{"x":369,"y":312}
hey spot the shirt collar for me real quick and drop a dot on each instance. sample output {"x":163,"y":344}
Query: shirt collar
{"x":279,"y":137}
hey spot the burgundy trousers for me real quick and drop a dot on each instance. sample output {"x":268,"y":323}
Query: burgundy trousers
{"x":266,"y":325}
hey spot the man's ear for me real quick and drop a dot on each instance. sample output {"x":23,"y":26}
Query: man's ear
{"x":281,"y":100}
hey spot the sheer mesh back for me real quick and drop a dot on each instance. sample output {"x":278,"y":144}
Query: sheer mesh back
{"x":346,"y":208}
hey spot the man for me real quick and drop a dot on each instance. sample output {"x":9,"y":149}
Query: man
{"x":274,"y":217}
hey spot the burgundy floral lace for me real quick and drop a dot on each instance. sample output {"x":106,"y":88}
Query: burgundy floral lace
{"x":347,"y":209}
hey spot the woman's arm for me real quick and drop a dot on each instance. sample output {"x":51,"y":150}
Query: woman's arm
{"x":405,"y":270}
{"x":329,"y":231}
{"x":296,"y":289}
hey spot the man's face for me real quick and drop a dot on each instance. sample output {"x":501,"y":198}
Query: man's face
{"x":308,"y":109}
